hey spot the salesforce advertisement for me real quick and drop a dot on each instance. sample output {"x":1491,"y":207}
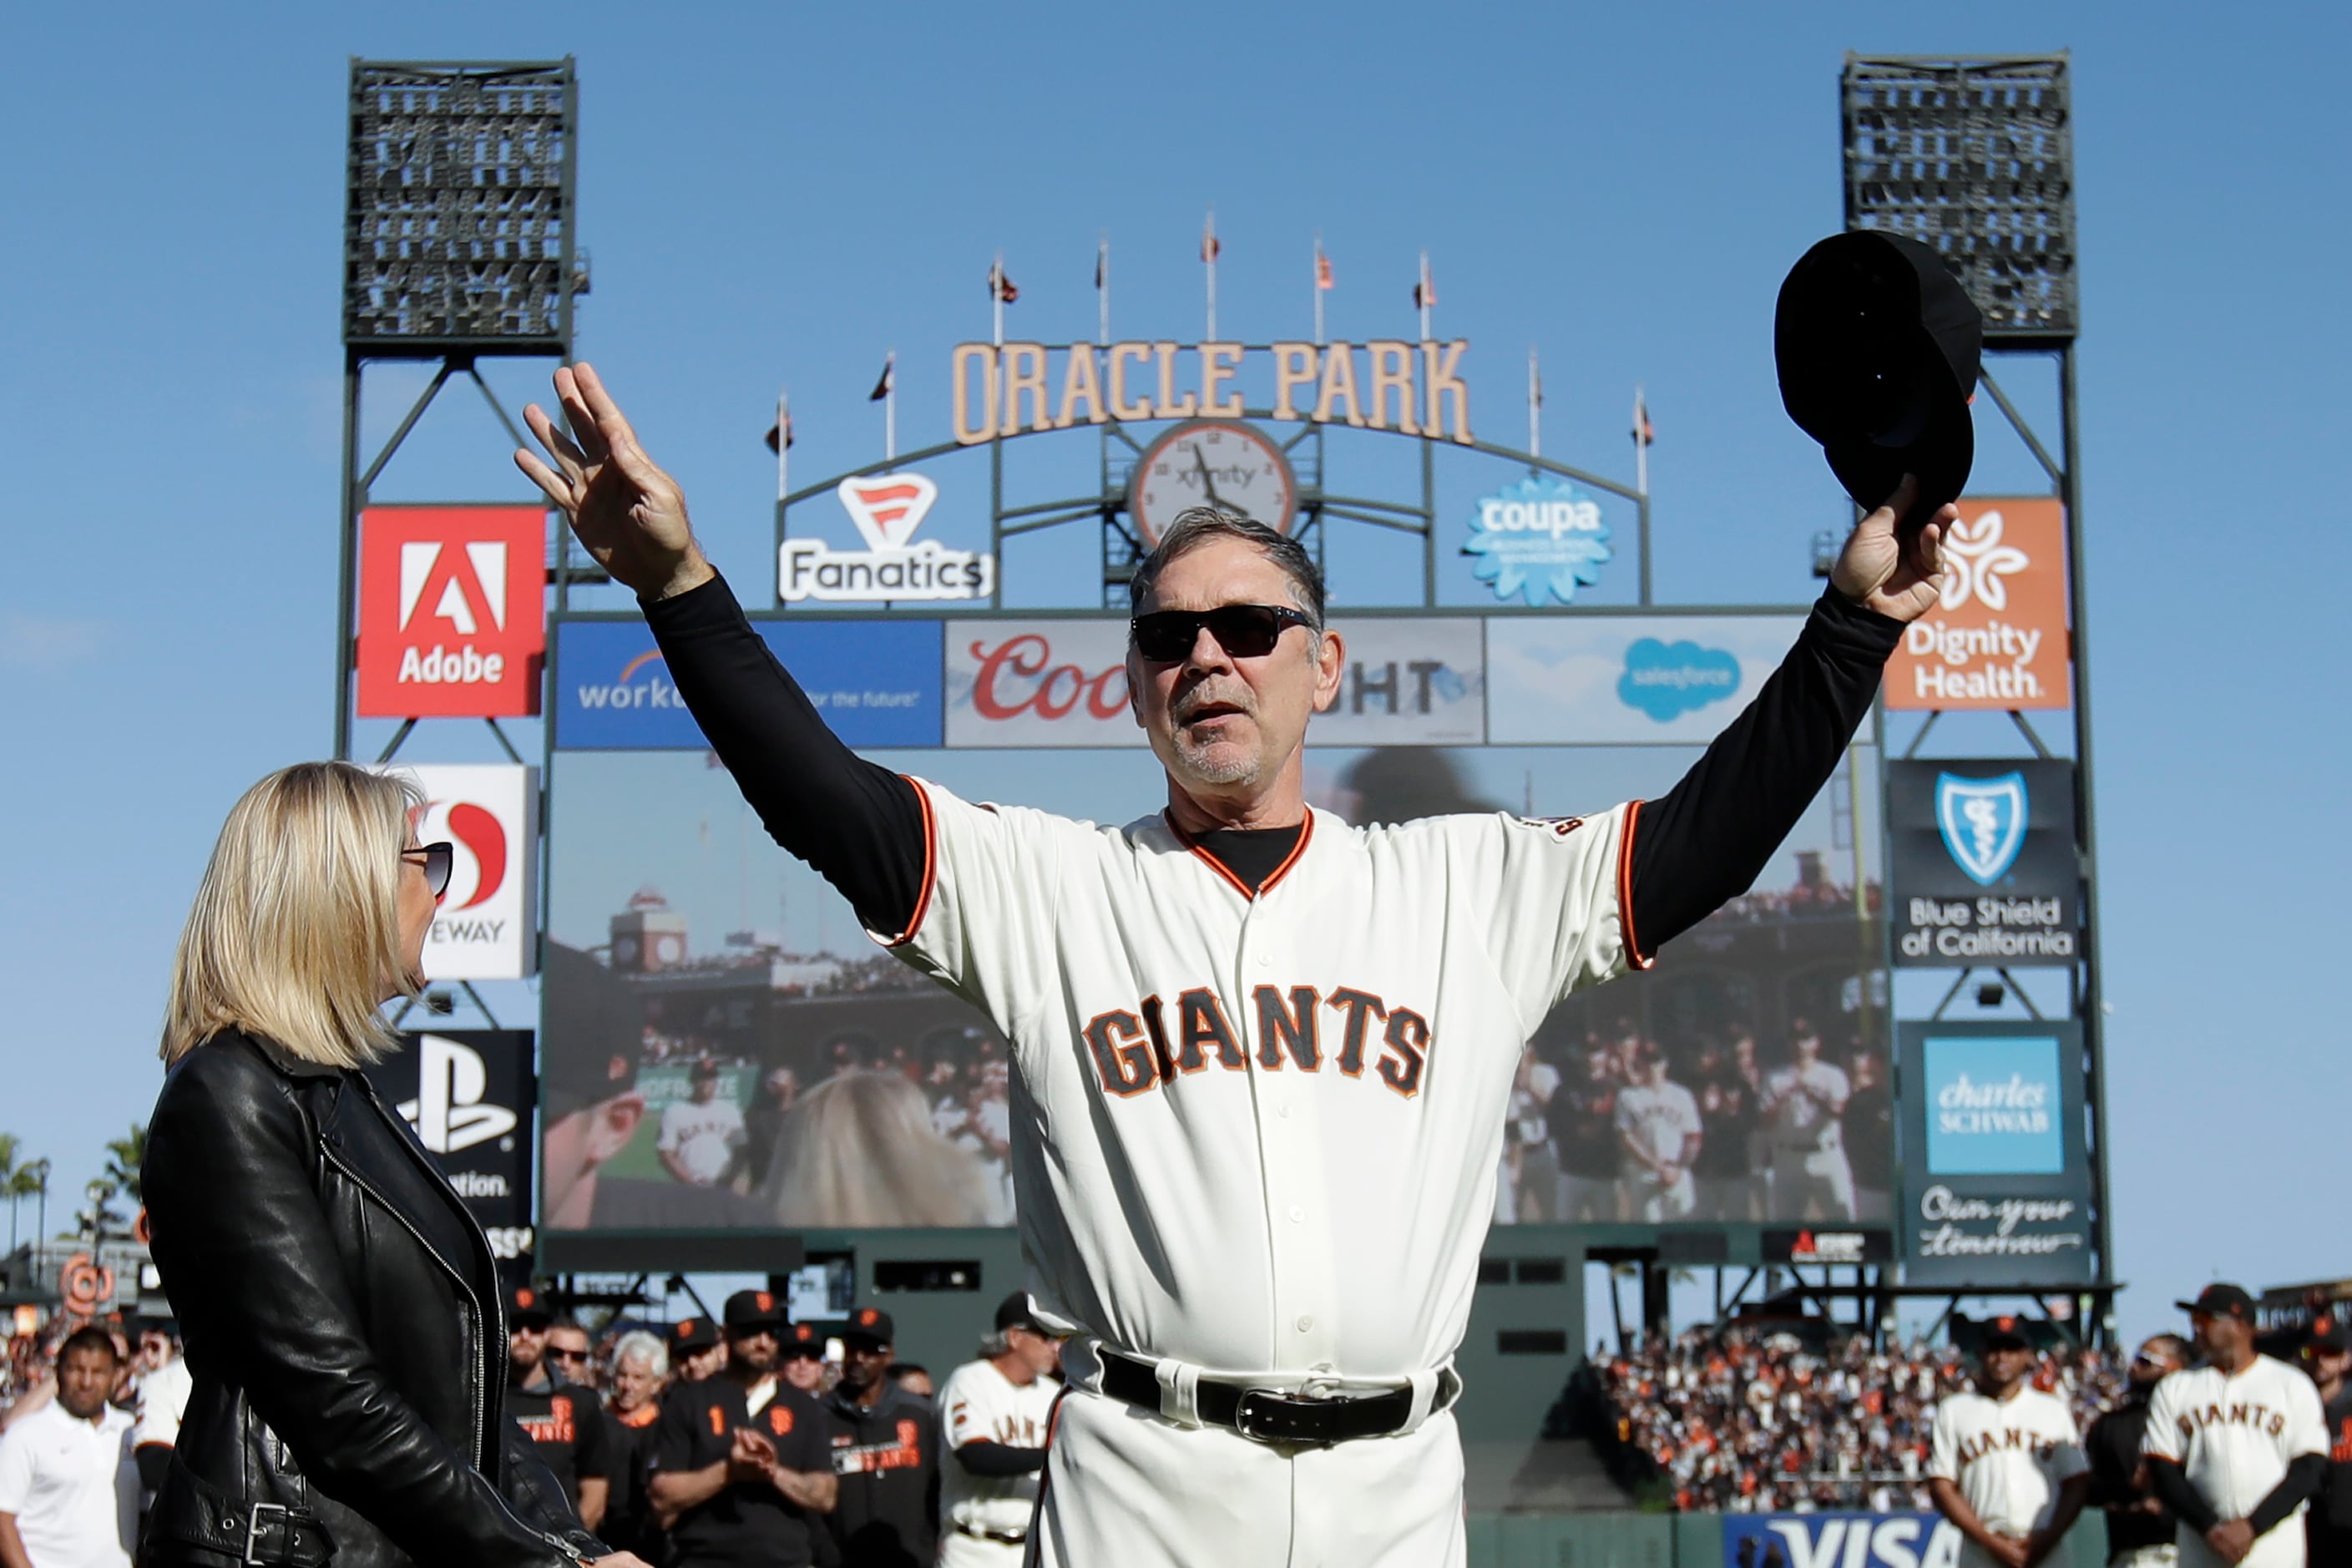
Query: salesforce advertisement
{"x":1628,"y":680}
{"x":1997,"y":1174}
{"x":1839,"y":1541}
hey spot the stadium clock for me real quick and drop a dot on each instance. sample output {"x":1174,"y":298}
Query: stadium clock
{"x":1211,"y":462}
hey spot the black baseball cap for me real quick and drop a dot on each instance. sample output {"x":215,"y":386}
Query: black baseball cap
{"x":591,"y":1034}
{"x":689,"y":1335}
{"x":748,"y":1311}
{"x":2326,"y":1336}
{"x":801,"y":1340}
{"x":871,"y":1325}
{"x":1999,"y":1338}
{"x":1014,"y":1313}
{"x":526,"y":1305}
{"x":705,"y":1067}
{"x":2222,"y":1302}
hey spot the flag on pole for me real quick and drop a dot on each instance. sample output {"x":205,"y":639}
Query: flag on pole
{"x":1425,"y":293}
{"x":783,"y":423}
{"x":1001,"y":289}
{"x":1644,"y":433}
{"x":1102,"y":263}
{"x":1210,"y":248}
{"x":1322,"y":269}
{"x":890,"y":381}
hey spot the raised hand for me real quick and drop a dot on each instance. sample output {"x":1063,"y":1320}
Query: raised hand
{"x":1901,"y":579}
{"x":629,"y":515}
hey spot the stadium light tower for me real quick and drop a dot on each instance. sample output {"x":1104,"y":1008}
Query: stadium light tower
{"x":458,"y":244}
{"x":1975,"y":157}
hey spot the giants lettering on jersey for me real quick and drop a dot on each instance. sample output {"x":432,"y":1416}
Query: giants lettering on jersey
{"x":555,"y":1426}
{"x":2257,"y":1417}
{"x":905,"y":1452}
{"x":1136,"y":1050}
{"x":2008,"y":1439}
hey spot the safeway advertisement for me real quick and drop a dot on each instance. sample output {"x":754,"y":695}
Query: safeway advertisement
{"x":453,"y":620}
{"x":489,"y":816}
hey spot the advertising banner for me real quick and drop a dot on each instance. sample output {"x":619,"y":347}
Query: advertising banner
{"x":1038,"y":683}
{"x":452,"y":611}
{"x":1409,"y":682}
{"x":886,"y":508}
{"x":1627,"y":679}
{"x":1997,"y":1183}
{"x":1999,"y":639}
{"x":470,"y":1094}
{"x":486,"y":928}
{"x":1541,"y":538}
{"x":1840,"y":1540}
{"x":876,"y":682}
{"x":1982,"y":857}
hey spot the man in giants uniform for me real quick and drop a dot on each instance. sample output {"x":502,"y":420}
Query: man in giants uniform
{"x":2327,"y":1356}
{"x":2237,"y":1445}
{"x":1801,"y":1105}
{"x":2004,"y":1464}
{"x":1260,"y":1058}
{"x":1658,"y":1134}
{"x":994,"y":1414}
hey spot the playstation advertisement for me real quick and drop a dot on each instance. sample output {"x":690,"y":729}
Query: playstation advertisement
{"x":470,"y":1094}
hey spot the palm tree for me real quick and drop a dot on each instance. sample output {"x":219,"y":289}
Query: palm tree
{"x":123,"y":1158}
{"x":10,"y":1147}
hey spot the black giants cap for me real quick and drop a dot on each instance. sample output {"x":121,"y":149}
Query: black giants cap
{"x":802,"y":1340}
{"x":2326,"y":1336}
{"x":2222,"y":1302}
{"x":871,"y":1325}
{"x":591,"y":1032}
{"x":526,"y":1306}
{"x":1878,"y":347}
{"x":689,"y":1335}
{"x":1014,"y":1313}
{"x":748,"y":1311}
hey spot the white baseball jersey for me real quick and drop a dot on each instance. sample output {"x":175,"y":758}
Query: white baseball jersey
{"x":1257,"y":1130}
{"x":1804,"y":1118}
{"x":1661,"y":1120}
{"x":703,"y":1137}
{"x":979,"y":1403}
{"x":162,"y":1401}
{"x":2234,"y":1436}
{"x":2007,"y":1457}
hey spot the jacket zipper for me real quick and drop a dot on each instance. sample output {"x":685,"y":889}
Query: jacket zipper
{"x":361,"y":1181}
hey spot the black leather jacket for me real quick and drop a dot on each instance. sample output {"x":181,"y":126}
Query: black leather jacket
{"x":345,"y":1330}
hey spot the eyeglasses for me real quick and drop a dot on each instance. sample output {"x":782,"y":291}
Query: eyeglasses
{"x":437,"y":860}
{"x":553,"y":1354}
{"x":1245,"y":631}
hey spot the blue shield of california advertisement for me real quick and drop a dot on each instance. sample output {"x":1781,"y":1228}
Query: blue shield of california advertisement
{"x":1983,"y":822}
{"x":1839,"y":1541}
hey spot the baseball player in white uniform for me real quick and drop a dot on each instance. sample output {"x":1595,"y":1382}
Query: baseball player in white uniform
{"x":2237,"y":1444}
{"x":1261,"y":1057}
{"x":1802,"y":1101}
{"x":2005,"y":1464}
{"x":996,"y":1415}
{"x":699,"y":1135}
{"x":1658,"y":1129}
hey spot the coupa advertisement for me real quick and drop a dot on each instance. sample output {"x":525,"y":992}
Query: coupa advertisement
{"x":1840,"y":1540}
{"x":1984,"y":865}
{"x":470,"y":1094}
{"x":1997,"y":1174}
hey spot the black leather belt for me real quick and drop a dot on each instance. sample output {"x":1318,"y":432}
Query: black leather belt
{"x":1009,"y":1537}
{"x":1273,"y":1415}
{"x":266,"y":1533}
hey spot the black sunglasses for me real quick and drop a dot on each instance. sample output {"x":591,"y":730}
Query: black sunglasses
{"x":438,"y":860}
{"x":1245,"y":631}
{"x":554,"y":1354}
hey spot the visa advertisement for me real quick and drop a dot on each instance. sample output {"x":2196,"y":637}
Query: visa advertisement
{"x":1996,"y":1170}
{"x":1983,"y":858}
{"x":1628,"y":679}
{"x":876,"y":682}
{"x":1840,"y":1540}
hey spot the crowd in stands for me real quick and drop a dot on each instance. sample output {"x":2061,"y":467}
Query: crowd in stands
{"x":1760,"y":1421}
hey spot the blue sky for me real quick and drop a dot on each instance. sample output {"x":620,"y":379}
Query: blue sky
{"x":776,"y":195}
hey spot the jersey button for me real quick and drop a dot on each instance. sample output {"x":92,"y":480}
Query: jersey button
{"x":1264,"y":958}
{"x":1283,"y":1109}
{"x":1305,"y":1322}
{"x":1297,"y":1214}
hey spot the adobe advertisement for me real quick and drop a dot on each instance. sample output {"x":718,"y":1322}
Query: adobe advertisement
{"x":1997,"y":640}
{"x":470,"y":1094}
{"x":452,"y":611}
{"x":485,"y":927}
{"x":1996,"y":1182}
{"x":1984,"y":870}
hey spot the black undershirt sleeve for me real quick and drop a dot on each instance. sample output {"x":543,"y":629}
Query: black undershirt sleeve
{"x":858,"y":824}
{"x":2187,"y":1503}
{"x":2298,"y":1486}
{"x":982,"y":1457}
{"x":1704,"y":842}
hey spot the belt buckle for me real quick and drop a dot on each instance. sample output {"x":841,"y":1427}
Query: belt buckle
{"x":1274,"y":1399}
{"x":254,"y":1527}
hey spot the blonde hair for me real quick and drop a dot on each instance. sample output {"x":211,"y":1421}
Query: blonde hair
{"x":863,"y":1152}
{"x":294,"y":934}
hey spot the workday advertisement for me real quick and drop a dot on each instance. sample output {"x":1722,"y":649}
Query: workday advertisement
{"x":1995,"y":1174}
{"x":1839,"y":1541}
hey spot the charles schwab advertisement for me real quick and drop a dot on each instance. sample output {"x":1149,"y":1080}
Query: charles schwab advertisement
{"x":1983,"y":861}
{"x":1996,"y":1182}
{"x":470,"y":1094}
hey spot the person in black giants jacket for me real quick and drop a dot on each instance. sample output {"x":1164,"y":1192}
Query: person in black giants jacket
{"x":340,"y":1309}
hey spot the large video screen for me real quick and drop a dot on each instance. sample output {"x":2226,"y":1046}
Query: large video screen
{"x":725,"y":1048}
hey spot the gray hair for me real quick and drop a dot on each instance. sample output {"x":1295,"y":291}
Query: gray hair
{"x":639,"y":1345}
{"x":1196,"y":526}
{"x":993,"y":1343}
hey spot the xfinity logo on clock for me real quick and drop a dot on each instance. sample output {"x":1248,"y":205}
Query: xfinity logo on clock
{"x":1221,"y":463}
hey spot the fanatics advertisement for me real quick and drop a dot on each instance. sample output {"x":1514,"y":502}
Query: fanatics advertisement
{"x":887,"y":510}
{"x":747,"y":1037}
{"x":1840,"y":1540}
{"x":1999,"y":639}
{"x":486,"y":928}
{"x":1983,"y":856}
{"x":1997,"y":1174}
{"x":470,"y":1094}
{"x":452,"y":611}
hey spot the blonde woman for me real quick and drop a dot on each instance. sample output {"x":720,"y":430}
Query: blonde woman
{"x":861,"y":1151}
{"x":341,"y":1313}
